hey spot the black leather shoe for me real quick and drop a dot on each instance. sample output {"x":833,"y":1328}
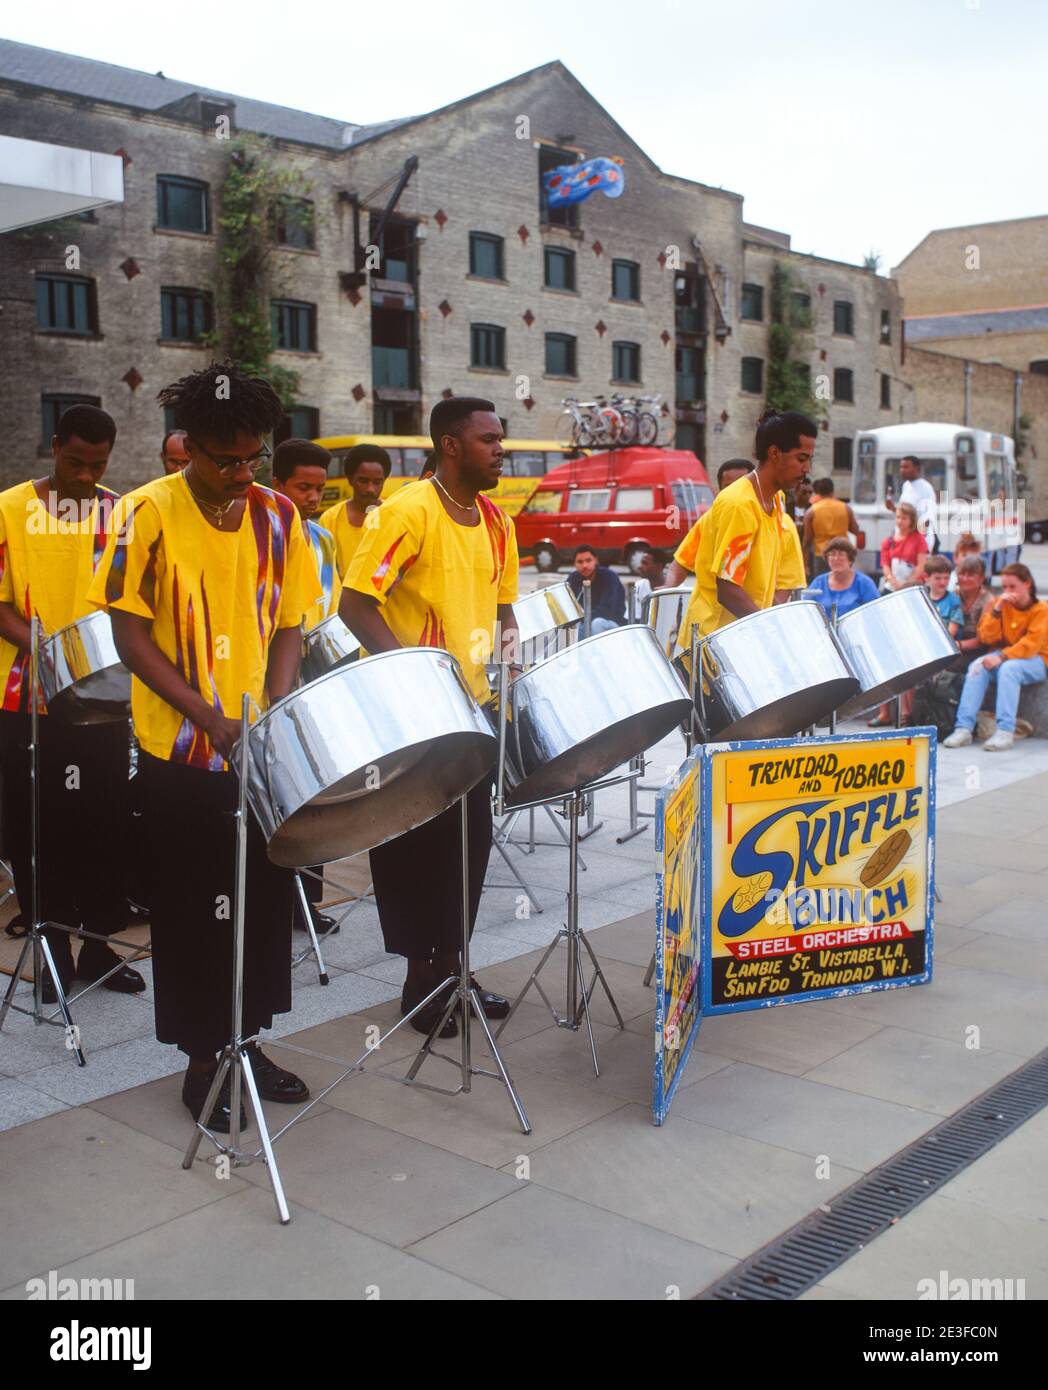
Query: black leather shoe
{"x":322,"y":924}
{"x":125,"y":981}
{"x":194,"y":1093}
{"x":273,"y":1082}
{"x":66,"y":973}
{"x":426,"y":1019}
{"x":494,"y":1005}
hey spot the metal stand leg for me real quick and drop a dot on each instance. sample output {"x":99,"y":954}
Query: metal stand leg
{"x":635,"y":812}
{"x":314,"y":944}
{"x":236,"y":1056}
{"x":578,"y":993}
{"x":35,"y":940}
{"x":466,"y":999}
{"x":536,"y":905}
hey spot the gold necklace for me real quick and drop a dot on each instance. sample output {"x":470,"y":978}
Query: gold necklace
{"x":214,"y":508}
{"x":472,"y":506}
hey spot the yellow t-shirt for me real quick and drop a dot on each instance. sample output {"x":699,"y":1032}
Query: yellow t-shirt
{"x":439,"y":583}
{"x":216,"y":599}
{"x":347,"y":536}
{"x":829,"y":519}
{"x":740,"y":542}
{"x":47,"y":559}
{"x":687,"y":552}
{"x":322,"y":548}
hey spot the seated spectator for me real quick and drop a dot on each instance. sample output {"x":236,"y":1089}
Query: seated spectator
{"x":936,"y":580}
{"x":652,"y":575}
{"x":1015,"y":626}
{"x":903,"y":553}
{"x":607,"y":596}
{"x":966,"y":545}
{"x":970,"y":574}
{"x":827,"y":518}
{"x":842,"y":587}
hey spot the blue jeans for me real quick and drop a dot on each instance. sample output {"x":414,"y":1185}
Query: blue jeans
{"x":601,"y":625}
{"x":1014,"y":673}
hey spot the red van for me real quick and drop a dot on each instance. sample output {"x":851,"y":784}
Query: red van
{"x":621,"y":503}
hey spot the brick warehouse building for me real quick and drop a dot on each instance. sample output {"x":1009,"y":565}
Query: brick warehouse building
{"x":481,"y":289}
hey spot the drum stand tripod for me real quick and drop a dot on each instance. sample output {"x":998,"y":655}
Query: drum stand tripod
{"x":578,"y":993}
{"x":35,"y":939}
{"x":236,"y":1056}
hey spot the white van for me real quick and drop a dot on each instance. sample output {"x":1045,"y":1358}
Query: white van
{"x":973,"y":474}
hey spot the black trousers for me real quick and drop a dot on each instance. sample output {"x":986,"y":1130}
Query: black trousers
{"x":418,"y":879}
{"x":190,"y":843}
{"x":84,"y":820}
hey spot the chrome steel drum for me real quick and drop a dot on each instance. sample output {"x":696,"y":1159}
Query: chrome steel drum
{"x":665,"y":616}
{"x":327,"y":647}
{"x":771,"y":674}
{"x":544,"y":619}
{"x":575,"y":717}
{"x":893,"y":644}
{"x":364,"y":753}
{"x":81,"y":674}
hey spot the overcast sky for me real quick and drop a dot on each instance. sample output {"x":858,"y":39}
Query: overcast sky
{"x":850,"y":125}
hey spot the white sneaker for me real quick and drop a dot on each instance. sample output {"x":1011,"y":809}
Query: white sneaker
{"x":1001,"y":741}
{"x":960,"y":738}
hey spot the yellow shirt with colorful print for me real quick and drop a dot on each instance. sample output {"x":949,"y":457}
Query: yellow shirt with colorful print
{"x":742,"y":543}
{"x":347,"y":536}
{"x":322,"y":548}
{"x":215,"y":600}
{"x":439,"y":583}
{"x":48,"y":555}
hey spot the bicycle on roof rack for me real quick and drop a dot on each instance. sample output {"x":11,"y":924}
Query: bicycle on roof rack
{"x":626,"y":420}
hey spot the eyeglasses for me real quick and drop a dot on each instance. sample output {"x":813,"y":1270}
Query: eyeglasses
{"x":228,"y":465}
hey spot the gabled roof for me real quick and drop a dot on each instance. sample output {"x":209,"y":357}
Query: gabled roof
{"x":143,"y":91}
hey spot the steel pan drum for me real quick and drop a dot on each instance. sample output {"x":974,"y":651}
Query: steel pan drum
{"x":772,"y":673}
{"x":327,"y":647}
{"x":543,"y":617}
{"x":576,"y":716}
{"x":666,"y":610}
{"x":81,"y":674}
{"x":893,"y":644}
{"x":363,"y":754}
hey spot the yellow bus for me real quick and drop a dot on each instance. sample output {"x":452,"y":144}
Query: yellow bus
{"x":527,"y":463}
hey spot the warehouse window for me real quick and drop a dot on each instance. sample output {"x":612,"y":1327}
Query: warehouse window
{"x":294,"y":325}
{"x":66,"y":304}
{"x":625,"y":280}
{"x":560,"y":354}
{"x":625,"y":362}
{"x":487,"y":345}
{"x":843,"y":384}
{"x":753,"y":375}
{"x":185,"y":315}
{"x":752,"y":304}
{"x":844,"y":317}
{"x":182,"y":204}
{"x":560,"y":268}
{"x":486,"y":255}
{"x":294,"y":222}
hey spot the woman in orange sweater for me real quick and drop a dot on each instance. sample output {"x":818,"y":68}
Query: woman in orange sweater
{"x":1016,"y":626}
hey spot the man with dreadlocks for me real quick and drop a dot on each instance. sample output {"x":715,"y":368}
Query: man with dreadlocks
{"x":207,"y":577}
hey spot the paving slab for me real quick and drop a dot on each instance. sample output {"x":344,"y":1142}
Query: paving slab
{"x":481,"y":1125}
{"x":790,"y":1039}
{"x":311,"y":1258}
{"x":1011,"y":1016}
{"x":78,"y":1181}
{"x":538,"y":1244}
{"x":722,"y":1190}
{"x":626,"y":1060}
{"x":913,"y":1069}
{"x":795,"y":1113}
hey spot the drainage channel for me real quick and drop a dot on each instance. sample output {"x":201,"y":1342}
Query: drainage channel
{"x":798,"y":1259}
